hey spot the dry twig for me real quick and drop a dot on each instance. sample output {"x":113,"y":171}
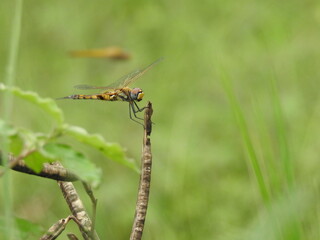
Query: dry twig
{"x":48,"y":171}
{"x":77,"y":209}
{"x":56,"y":229}
{"x":14,"y":161}
{"x":72,"y":236}
{"x":94,"y":202}
{"x":145,"y":178}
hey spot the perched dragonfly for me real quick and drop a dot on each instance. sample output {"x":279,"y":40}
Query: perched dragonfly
{"x":119,"y":91}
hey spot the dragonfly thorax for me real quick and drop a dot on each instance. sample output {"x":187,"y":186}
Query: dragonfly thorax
{"x":136,"y":94}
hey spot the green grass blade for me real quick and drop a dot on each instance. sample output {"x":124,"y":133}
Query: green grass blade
{"x":279,"y":221}
{"x":242,"y":124}
{"x":282,"y":135}
{"x":7,"y":104}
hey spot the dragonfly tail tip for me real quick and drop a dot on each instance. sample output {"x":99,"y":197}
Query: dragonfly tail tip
{"x":67,"y":97}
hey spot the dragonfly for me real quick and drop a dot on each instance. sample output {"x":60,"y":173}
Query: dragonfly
{"x":119,"y":91}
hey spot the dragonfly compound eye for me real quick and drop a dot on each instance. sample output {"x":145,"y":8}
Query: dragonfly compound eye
{"x":140,"y":96}
{"x":137,"y":94}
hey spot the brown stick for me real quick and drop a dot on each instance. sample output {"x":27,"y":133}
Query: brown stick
{"x":77,"y":209}
{"x":94,"y":202}
{"x":48,"y":171}
{"x":14,"y":161}
{"x":56,"y":229}
{"x":72,"y":236}
{"x":145,"y":178}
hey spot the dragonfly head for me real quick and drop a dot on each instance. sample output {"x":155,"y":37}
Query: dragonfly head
{"x":136,"y":94}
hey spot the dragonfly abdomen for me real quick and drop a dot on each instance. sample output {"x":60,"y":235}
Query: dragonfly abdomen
{"x":104,"y":97}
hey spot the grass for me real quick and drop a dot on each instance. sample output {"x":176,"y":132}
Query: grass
{"x":248,"y":144}
{"x":7,"y":100}
{"x":235,"y":102}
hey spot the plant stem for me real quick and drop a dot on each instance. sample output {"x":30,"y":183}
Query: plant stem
{"x":7,"y":104}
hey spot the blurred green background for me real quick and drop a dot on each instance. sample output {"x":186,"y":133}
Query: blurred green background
{"x":236,"y":111}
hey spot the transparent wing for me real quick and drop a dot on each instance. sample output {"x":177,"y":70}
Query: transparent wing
{"x":84,"y":86}
{"x":133,"y":76}
{"x":123,"y":81}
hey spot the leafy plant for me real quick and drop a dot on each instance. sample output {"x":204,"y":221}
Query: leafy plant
{"x":39,"y":148}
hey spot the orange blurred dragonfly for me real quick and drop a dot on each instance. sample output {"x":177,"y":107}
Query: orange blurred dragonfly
{"x":109,"y":52}
{"x":119,"y":91}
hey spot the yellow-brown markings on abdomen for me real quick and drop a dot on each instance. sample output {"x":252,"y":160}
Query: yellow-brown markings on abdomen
{"x":94,"y":97}
{"x":105,"y":97}
{"x":108,"y":97}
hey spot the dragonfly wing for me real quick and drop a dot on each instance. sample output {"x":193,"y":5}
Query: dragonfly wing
{"x":123,"y":81}
{"x":85,"y":87}
{"x":131,"y":77}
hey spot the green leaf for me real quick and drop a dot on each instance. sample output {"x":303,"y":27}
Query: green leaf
{"x":7,"y":129}
{"x":26,"y":141}
{"x":12,"y":137}
{"x":112,"y":151}
{"x":76,"y":162}
{"x":28,"y":229}
{"x":32,"y":139}
{"x":24,"y":229}
{"x":15,"y":144}
{"x":46,"y":104}
{"x":36,"y":160}
{"x":21,"y":140}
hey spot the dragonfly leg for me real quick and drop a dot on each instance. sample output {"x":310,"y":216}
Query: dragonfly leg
{"x":131,"y":108}
{"x":138,"y":109}
{"x":134,"y":110}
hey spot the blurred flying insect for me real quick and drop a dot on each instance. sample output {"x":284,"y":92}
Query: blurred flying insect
{"x":119,"y":91}
{"x":109,"y":52}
